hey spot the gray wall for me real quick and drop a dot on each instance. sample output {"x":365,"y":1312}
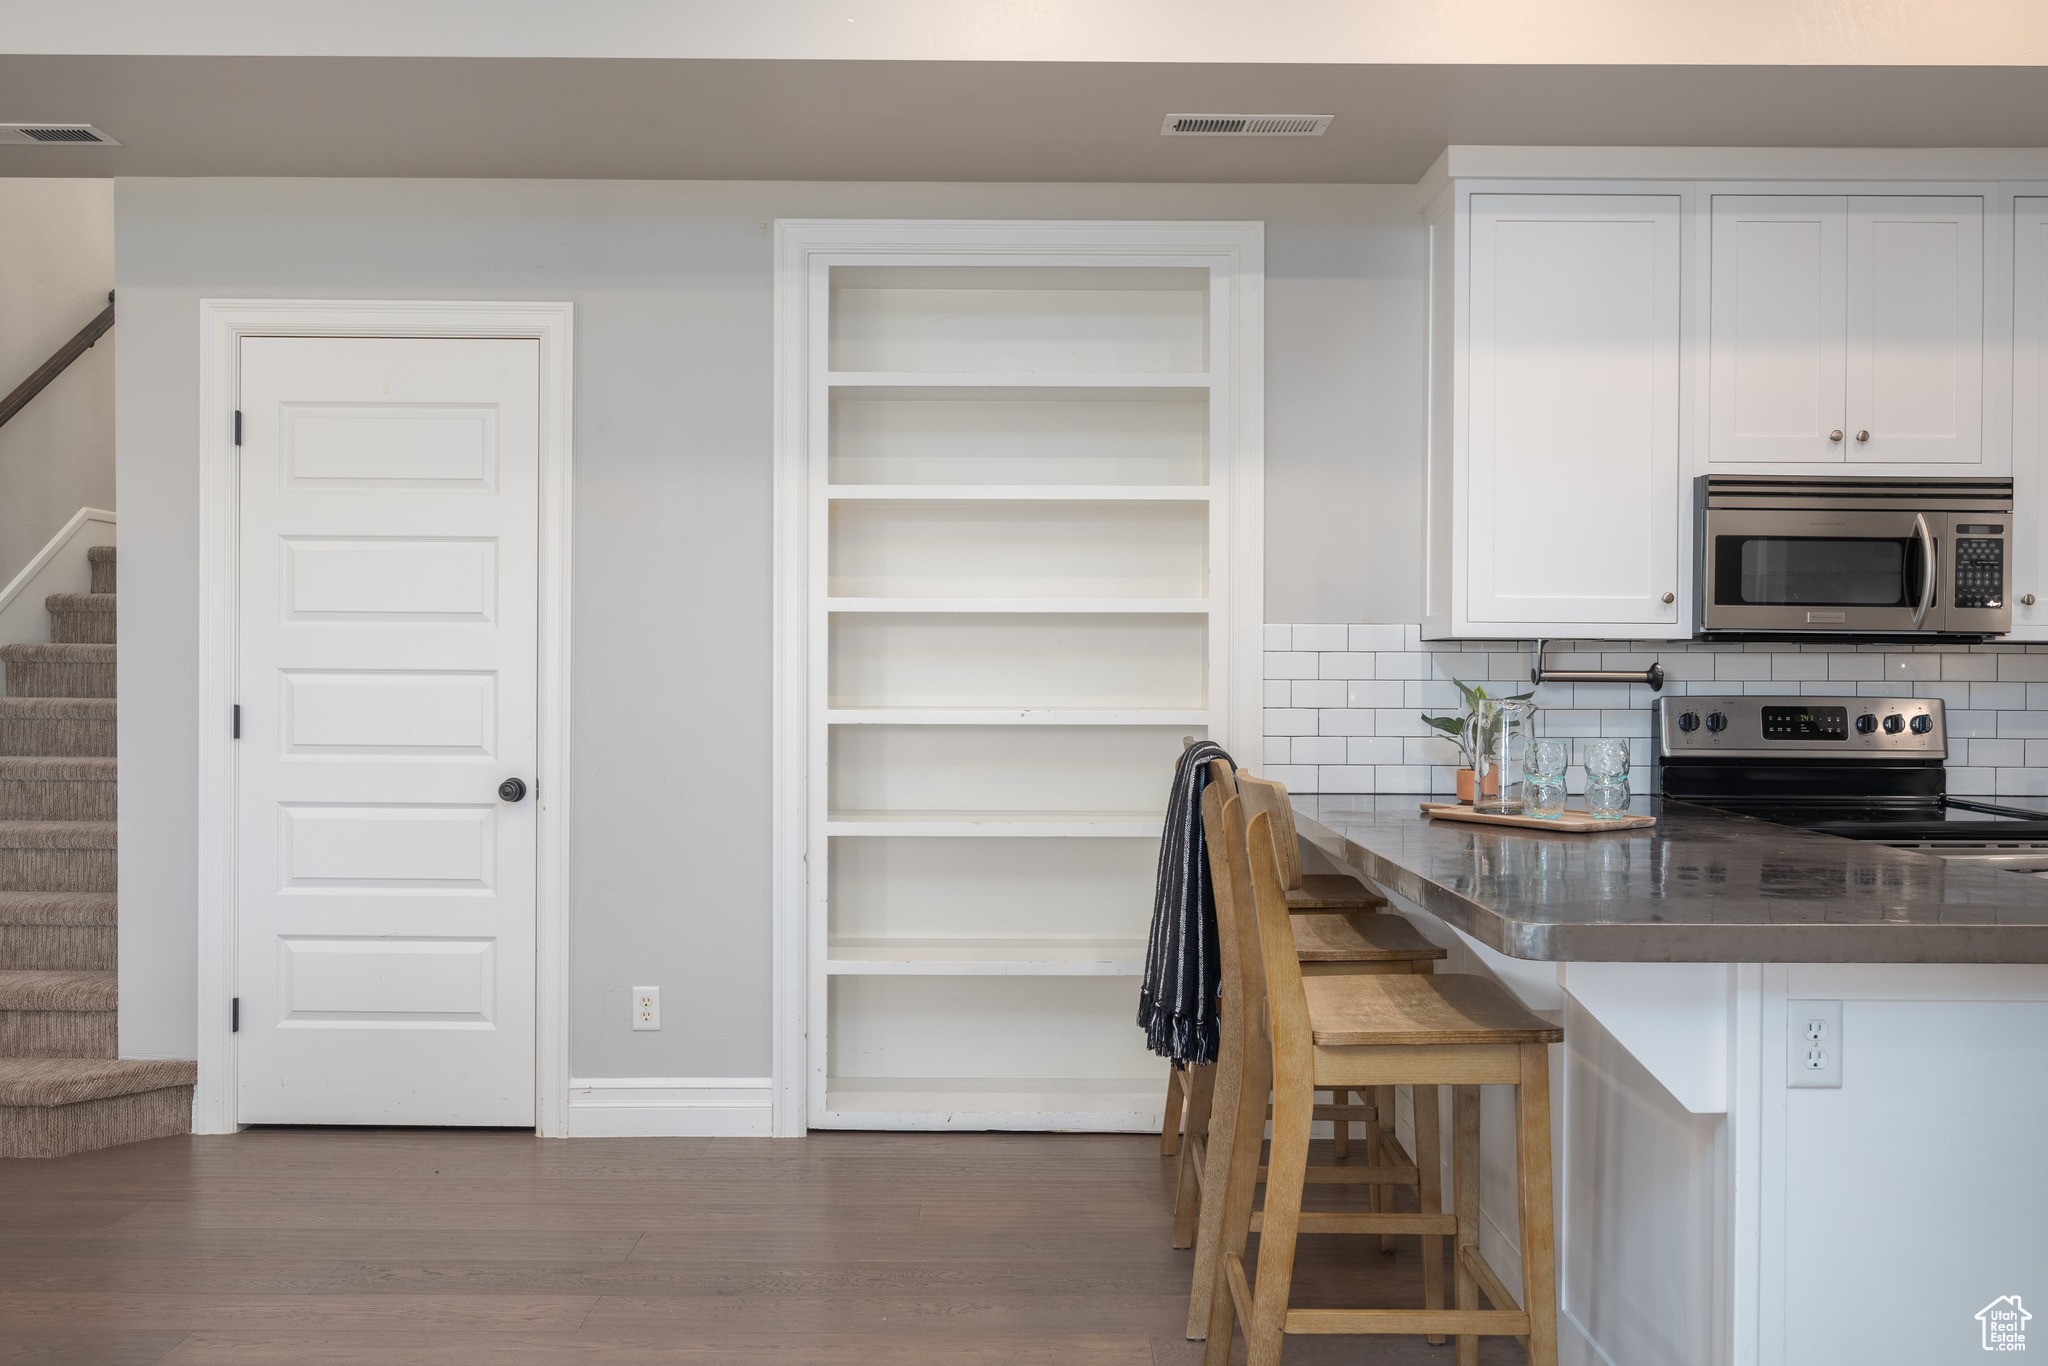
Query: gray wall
{"x":672,"y":285}
{"x":56,"y":266}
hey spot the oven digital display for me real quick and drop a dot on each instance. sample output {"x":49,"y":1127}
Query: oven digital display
{"x":1806,"y":723}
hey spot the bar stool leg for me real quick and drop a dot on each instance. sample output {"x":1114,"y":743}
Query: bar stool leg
{"x":1429,"y":1162}
{"x":1232,"y":1190}
{"x":1187,"y":1202}
{"x":1169,"y":1127}
{"x":1340,"y":1127}
{"x":1286,"y":1172}
{"x":1532,"y":1158}
{"x":1465,"y":1196}
{"x":1379,"y":1148}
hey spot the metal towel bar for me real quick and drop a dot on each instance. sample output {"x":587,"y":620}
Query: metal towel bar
{"x":1538,"y":675}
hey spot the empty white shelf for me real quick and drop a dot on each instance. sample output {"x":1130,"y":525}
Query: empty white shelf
{"x":987,"y":957}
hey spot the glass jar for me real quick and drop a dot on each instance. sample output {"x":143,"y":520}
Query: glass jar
{"x":1543,"y":778}
{"x":1607,"y":779}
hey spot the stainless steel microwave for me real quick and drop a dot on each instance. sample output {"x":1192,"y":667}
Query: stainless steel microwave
{"x":1840,"y":555}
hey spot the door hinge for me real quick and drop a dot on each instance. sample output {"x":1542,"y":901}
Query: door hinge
{"x":235,"y":1016}
{"x":238,"y":426}
{"x":238,"y":721}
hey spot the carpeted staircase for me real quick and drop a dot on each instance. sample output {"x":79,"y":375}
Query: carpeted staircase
{"x":62,"y":1090}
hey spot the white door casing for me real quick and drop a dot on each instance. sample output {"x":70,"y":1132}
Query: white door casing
{"x":387,"y":684}
{"x":1572,"y":494}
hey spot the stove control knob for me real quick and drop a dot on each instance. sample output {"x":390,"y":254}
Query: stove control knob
{"x":1689,"y":721}
{"x":1922,"y":724}
{"x":1865,"y":724}
{"x":1716,"y":722}
{"x":1894,"y":723}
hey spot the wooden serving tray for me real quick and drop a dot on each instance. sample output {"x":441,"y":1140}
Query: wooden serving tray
{"x":1573,"y":822}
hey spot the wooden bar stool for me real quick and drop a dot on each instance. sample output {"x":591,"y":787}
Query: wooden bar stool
{"x":1305,"y":892}
{"x":1368,"y":944}
{"x":1424,"y":1032}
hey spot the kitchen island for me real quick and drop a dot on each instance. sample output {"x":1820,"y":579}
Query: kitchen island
{"x":1715,"y":1203}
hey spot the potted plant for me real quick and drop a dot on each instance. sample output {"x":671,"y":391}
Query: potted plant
{"x":1463,"y":731}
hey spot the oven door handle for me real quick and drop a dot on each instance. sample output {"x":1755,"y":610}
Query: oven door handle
{"x":1927,"y":570}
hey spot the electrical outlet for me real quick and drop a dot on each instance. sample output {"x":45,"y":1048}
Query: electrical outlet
{"x":1813,"y":1043}
{"x":646,"y":1007}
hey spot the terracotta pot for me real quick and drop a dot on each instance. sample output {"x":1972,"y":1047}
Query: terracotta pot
{"x":1465,"y":786}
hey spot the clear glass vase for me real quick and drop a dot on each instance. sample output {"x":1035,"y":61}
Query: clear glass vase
{"x":1500,"y":733}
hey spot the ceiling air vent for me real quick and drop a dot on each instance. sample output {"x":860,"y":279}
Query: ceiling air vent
{"x":20,"y":133}
{"x":1245,"y":125}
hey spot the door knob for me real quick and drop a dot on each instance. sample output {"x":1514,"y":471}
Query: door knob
{"x":511,"y":790}
{"x":1863,"y":436}
{"x":1835,"y":435}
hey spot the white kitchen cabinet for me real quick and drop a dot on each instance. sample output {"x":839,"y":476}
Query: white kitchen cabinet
{"x":1555,"y":427}
{"x":2029,"y":416}
{"x":1847,"y":330}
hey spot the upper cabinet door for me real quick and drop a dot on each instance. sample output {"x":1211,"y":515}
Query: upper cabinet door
{"x":1572,"y":485}
{"x":1916,"y":330}
{"x":1776,"y":354}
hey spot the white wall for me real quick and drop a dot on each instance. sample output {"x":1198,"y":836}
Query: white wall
{"x":672,"y":286}
{"x":56,"y":266}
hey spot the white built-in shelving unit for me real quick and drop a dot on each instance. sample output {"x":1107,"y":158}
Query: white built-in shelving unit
{"x":1019,"y":562}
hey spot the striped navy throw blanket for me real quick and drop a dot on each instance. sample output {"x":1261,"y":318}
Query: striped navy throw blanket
{"x":1177,"y":1004}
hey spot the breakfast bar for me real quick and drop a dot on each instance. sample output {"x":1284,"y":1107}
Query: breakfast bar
{"x":1766,"y":1030}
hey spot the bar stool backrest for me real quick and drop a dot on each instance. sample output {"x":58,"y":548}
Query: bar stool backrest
{"x":1286,"y":999}
{"x":1237,"y":934}
{"x":1270,"y":798}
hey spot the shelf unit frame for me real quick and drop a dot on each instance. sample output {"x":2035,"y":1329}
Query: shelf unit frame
{"x":1232,"y":254}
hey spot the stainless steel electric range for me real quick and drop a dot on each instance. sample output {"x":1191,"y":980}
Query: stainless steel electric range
{"x":1863,"y":768}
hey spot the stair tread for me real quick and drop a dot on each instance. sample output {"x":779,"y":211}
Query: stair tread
{"x":77,"y":767}
{"x":60,"y":708}
{"x":57,"y":652}
{"x":67,"y":1081}
{"x":59,"y":908}
{"x":58,"y":834}
{"x":50,"y":989}
{"x":80,"y":602}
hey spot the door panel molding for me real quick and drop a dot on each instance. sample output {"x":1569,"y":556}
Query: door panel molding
{"x":223,"y":325}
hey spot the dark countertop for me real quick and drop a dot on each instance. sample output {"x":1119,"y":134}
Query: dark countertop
{"x":1700,"y":886}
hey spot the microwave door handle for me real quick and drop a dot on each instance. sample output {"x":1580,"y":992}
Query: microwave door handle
{"x":1927,"y":571}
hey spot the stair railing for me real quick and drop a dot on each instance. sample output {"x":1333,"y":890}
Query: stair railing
{"x":55,"y":365}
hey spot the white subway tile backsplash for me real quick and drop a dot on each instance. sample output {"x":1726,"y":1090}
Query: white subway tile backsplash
{"x":1318,"y":749}
{"x":1319,"y":692}
{"x":1344,"y":703}
{"x":1375,"y":638}
{"x":1290,"y":721}
{"x":1741,"y":668}
{"x":1385,"y":692}
{"x":1385,"y":749}
{"x":1321,"y":638}
{"x":1345,"y":664}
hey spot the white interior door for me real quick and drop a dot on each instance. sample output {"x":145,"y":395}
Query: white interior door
{"x":1776,"y":351}
{"x":387,"y":688}
{"x":1573,"y":489}
{"x":1916,"y":329}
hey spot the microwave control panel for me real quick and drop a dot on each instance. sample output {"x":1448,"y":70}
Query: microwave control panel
{"x":1980,"y":567}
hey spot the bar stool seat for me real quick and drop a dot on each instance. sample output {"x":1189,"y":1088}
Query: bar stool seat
{"x":1446,"y":1009}
{"x":1327,"y":943}
{"x":1332,"y":892}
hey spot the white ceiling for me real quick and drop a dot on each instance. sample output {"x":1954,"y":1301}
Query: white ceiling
{"x":944,"y":120}
{"x":1385,"y":32}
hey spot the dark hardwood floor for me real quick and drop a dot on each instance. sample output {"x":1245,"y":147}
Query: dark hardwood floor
{"x":316,"y":1247}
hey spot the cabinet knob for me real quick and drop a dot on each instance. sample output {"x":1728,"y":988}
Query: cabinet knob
{"x":1863,"y":436}
{"x":2026,"y":599}
{"x":1670,"y":597}
{"x":1835,"y":435}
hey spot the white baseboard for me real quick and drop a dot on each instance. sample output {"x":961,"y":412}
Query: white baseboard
{"x":671,"y":1107}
